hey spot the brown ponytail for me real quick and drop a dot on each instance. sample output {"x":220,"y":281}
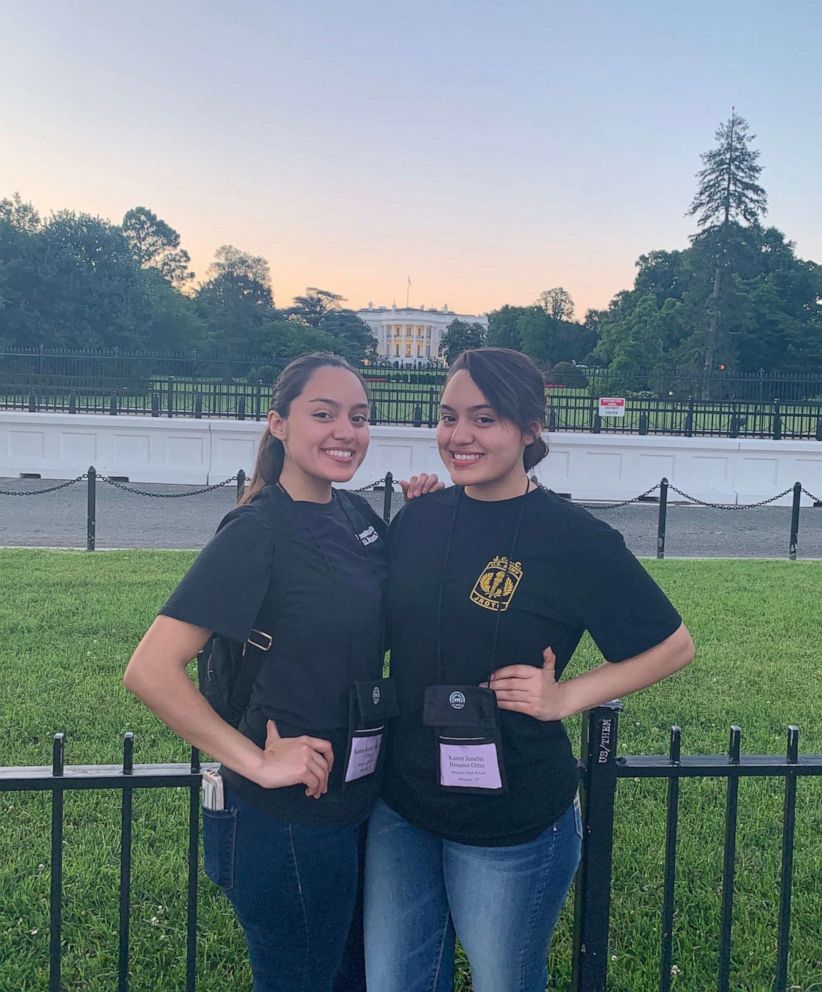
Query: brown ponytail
{"x":289,"y":385}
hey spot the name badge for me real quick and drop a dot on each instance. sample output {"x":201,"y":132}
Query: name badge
{"x":469,"y":766}
{"x":364,"y":754}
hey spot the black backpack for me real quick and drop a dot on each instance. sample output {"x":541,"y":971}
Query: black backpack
{"x":227,"y":669}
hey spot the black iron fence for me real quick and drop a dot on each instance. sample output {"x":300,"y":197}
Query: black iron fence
{"x":773,"y":405}
{"x":658,"y":493}
{"x":601,"y":768}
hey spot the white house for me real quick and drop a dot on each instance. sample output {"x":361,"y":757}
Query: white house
{"x":412,"y":334}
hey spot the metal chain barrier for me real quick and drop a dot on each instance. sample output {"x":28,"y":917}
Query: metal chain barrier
{"x":143,"y":492}
{"x":816,"y":499}
{"x":730,"y":506}
{"x":41,"y":492}
{"x":369,"y":487}
{"x":625,"y":502}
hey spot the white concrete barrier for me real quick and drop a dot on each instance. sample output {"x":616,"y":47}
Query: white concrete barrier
{"x":587,"y":466}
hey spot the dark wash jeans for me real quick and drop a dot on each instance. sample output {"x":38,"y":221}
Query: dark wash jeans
{"x":297,"y":894}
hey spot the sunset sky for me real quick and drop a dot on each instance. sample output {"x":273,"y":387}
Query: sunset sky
{"x":487,"y":150}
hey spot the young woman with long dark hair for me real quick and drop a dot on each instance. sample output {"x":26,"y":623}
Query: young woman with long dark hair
{"x":493,"y":582}
{"x":295,"y":573}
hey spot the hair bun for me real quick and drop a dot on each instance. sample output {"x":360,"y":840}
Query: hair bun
{"x":535,"y":452}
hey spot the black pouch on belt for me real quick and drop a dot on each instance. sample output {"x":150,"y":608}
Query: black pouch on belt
{"x":465,"y":719}
{"x":371,"y":705}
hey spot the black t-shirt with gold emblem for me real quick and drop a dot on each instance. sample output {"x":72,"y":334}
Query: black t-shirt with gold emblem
{"x":568,"y":572}
{"x":313,"y":576}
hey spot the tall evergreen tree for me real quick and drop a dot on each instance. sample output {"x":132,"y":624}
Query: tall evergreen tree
{"x":728,"y":193}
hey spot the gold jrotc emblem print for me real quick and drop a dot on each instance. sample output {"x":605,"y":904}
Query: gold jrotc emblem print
{"x":495,"y":589}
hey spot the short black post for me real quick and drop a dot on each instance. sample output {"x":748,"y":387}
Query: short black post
{"x":689,"y":418}
{"x":417,"y":418}
{"x":198,"y":406}
{"x":662,"y":520}
{"x":240,"y":484}
{"x":56,"y":866}
{"x":819,"y":428}
{"x":592,"y":905}
{"x":155,"y":404}
{"x":597,"y":429}
{"x":170,"y":397}
{"x":551,"y":424}
{"x":375,"y":415}
{"x":241,"y":408}
{"x":386,"y":497}
{"x":797,"y":495}
{"x":91,"y":508}
{"x":72,"y":402}
{"x":32,"y":401}
{"x":777,"y":421}
{"x":643,"y":423}
{"x":112,"y":405}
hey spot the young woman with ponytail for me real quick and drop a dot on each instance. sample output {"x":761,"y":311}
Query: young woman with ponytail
{"x":296,"y":573}
{"x":478,"y":835}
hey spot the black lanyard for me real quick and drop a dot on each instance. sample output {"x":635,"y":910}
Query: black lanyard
{"x":444,"y":569}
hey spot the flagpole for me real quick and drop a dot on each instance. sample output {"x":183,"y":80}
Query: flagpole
{"x":408,"y":293}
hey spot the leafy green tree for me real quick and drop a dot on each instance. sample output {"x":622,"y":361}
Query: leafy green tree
{"x":236,"y":303}
{"x":156,"y":244}
{"x":503,"y":327}
{"x":350,"y":336}
{"x":314,"y":306}
{"x":459,"y":336}
{"x":557,"y":303}
{"x":728,"y":192}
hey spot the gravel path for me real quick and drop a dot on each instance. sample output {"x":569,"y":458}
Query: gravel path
{"x":125,"y":520}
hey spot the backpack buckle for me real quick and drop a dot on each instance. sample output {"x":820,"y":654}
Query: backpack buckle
{"x":267,"y":640}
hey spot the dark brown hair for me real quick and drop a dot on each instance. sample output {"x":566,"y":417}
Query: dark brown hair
{"x":289,"y":385}
{"x":513,"y":385}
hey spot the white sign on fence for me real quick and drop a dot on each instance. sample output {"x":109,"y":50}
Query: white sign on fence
{"x":612,"y":406}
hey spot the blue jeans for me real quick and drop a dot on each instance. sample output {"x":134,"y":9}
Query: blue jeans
{"x":501,"y":902}
{"x":294,"y":890}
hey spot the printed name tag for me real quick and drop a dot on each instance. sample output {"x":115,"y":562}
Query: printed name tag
{"x":365,"y":752}
{"x":469,"y":766}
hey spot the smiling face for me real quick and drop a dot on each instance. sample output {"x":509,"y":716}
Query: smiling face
{"x":325,"y":433}
{"x":480,"y":450}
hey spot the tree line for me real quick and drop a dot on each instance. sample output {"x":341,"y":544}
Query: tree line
{"x":736,"y":298}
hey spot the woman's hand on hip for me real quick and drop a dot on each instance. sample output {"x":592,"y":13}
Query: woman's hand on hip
{"x":530,"y":690}
{"x":291,"y":760}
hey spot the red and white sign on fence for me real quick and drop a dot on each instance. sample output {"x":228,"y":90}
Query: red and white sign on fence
{"x":612,"y":406}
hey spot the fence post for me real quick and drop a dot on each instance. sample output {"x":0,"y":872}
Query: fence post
{"x":643,"y":423}
{"x":32,"y":401}
{"x":417,"y":422}
{"x":797,"y":495}
{"x":240,"y":484}
{"x":155,"y":404}
{"x":387,"y":495}
{"x":112,"y":405}
{"x":170,"y":396}
{"x":662,"y":520}
{"x":375,"y":415}
{"x":689,"y":418}
{"x":597,"y":429}
{"x":91,"y":508}
{"x":72,"y":402}
{"x":198,"y":406}
{"x":241,"y":408}
{"x":592,"y":904}
{"x":432,"y":408}
{"x":819,"y":428}
{"x":777,"y":421}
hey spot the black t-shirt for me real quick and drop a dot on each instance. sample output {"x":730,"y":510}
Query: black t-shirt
{"x":569,"y":573}
{"x":319,"y":593}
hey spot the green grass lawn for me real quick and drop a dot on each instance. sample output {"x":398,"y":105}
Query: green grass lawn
{"x":67,"y":627}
